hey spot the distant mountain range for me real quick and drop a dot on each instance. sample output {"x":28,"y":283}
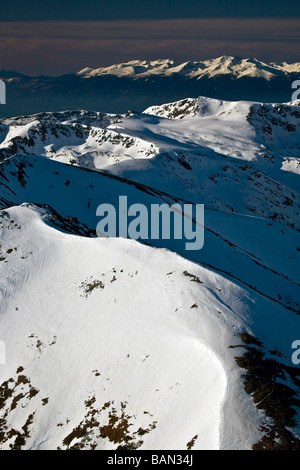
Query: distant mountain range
{"x":118,"y":344}
{"x":137,"y":84}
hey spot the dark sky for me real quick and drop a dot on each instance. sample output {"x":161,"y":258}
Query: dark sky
{"x":62,"y":36}
{"x":82,"y":10}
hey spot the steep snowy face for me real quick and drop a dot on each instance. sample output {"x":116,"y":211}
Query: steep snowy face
{"x":114,"y":345}
{"x":132,"y":68}
{"x":139,"y":84}
{"x":224,"y":65}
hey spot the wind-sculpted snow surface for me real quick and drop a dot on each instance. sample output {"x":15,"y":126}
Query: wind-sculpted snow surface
{"x":116,"y":343}
{"x":102,"y":325}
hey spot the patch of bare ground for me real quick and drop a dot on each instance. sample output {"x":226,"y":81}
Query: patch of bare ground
{"x":274,"y":387}
{"x":16,"y":392}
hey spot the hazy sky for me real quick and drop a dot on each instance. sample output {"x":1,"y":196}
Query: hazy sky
{"x":33,"y":10}
{"x":62,"y":36}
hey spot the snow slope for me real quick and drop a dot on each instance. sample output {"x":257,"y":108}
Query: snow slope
{"x":114,"y":343}
{"x":113,"y":326}
{"x":139,"y":84}
{"x":110,"y":342}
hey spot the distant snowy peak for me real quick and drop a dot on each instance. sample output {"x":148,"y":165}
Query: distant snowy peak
{"x":201,"y":107}
{"x":224,"y":65}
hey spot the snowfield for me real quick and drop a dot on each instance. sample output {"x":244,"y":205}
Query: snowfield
{"x":124,"y":344}
{"x":130,"y":341}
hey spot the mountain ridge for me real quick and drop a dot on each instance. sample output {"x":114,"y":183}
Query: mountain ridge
{"x":224,"y":65}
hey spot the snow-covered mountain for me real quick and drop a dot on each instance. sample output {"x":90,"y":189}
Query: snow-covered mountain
{"x":225,"y":65}
{"x":138,"y":84}
{"x":115,"y":343}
